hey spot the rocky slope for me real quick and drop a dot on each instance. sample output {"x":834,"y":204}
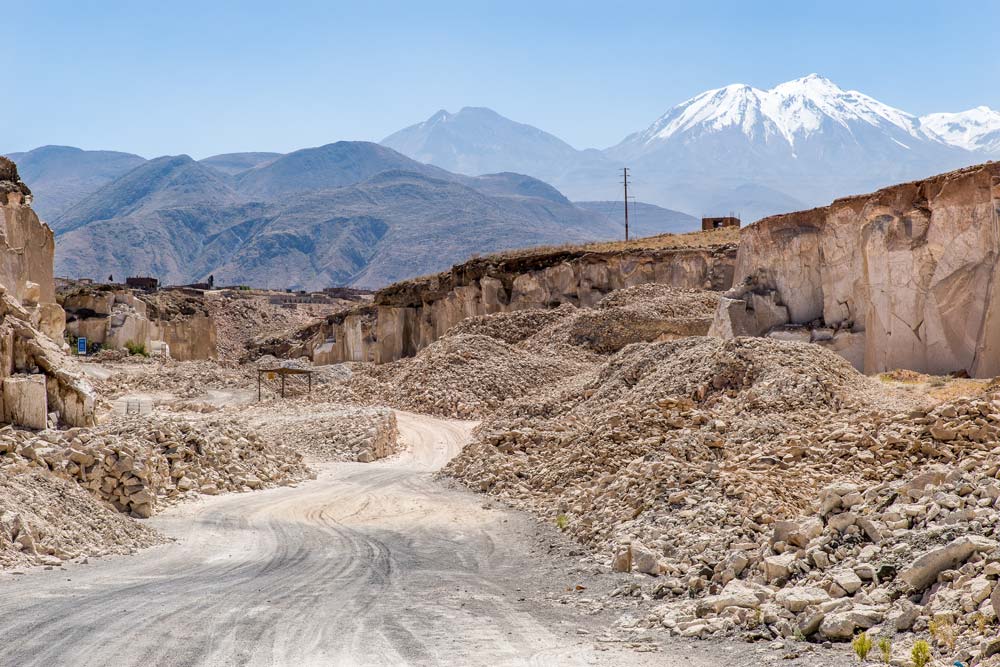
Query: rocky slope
{"x":763,"y":488}
{"x":901,"y":278}
{"x":484,"y":364}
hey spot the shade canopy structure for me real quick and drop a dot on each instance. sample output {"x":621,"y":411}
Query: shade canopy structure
{"x":281,"y":372}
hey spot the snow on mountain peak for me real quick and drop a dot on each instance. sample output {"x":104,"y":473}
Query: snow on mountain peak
{"x":977,"y":129}
{"x":791,"y":110}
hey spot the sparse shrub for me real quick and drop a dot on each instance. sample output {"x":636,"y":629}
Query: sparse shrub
{"x":136,"y":348}
{"x":921,"y":653}
{"x":562,"y":521}
{"x":862,"y":645}
{"x":981,"y":622}
{"x":885,"y":649}
{"x":943,"y":632}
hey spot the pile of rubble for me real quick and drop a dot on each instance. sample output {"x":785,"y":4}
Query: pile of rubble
{"x":184,"y":379}
{"x":769,"y":488}
{"x":328,"y":431}
{"x":242,"y":319}
{"x":45,"y":520}
{"x":644,"y":313}
{"x":484,"y":364}
{"x":137,"y":464}
{"x":460,"y":375}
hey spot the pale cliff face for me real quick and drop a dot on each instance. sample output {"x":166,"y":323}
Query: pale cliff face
{"x":913,"y":267}
{"x":27,"y":246}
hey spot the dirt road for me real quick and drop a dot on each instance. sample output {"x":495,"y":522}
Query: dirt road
{"x":371,"y":564}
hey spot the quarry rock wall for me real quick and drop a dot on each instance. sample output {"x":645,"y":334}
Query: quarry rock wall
{"x":115,"y":317}
{"x":409,"y":316}
{"x":906,"y":277}
{"x":37,"y":387}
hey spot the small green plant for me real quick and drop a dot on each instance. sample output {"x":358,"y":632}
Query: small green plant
{"x":136,"y":348}
{"x":921,"y":653}
{"x":799,"y":635}
{"x":862,"y":645}
{"x":885,"y":649}
{"x":562,"y":521}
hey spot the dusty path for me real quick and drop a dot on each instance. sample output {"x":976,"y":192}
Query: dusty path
{"x":371,"y":564}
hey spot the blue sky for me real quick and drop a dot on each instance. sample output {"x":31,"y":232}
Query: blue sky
{"x":209,"y":77}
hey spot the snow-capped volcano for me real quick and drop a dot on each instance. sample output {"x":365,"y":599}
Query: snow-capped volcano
{"x":803,"y":142}
{"x":787,"y":113}
{"x":738,"y":148}
{"x":975,"y":130}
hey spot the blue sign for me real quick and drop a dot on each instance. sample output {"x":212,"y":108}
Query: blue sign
{"x":81,"y":345}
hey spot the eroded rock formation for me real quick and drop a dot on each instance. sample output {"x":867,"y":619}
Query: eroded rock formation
{"x":906,"y":277}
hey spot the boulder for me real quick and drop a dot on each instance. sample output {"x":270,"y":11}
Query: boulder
{"x":797,"y":598}
{"x":924,"y":571}
{"x":736,"y":593}
{"x":797,"y":533}
{"x":25,"y":401}
{"x":646,"y":561}
{"x":779,"y":567}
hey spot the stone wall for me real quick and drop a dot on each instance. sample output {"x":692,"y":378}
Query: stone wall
{"x":905,"y":277}
{"x":410,"y":315}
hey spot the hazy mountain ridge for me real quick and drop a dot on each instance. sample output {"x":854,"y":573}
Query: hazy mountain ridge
{"x":62,"y":175}
{"x":383,"y":217}
{"x":735,"y":149}
{"x":644,"y":219}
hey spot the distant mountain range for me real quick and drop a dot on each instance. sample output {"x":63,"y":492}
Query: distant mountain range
{"x":734,"y":149}
{"x":431,"y":194}
{"x":347,"y":213}
{"x":62,"y":175}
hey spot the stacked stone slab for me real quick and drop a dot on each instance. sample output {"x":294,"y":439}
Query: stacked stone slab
{"x":138,"y":464}
{"x":902,"y":278}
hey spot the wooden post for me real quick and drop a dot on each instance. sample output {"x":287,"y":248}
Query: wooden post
{"x":258,"y":386}
{"x":282,"y":385}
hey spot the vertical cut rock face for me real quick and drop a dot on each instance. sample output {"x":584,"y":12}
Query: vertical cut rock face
{"x":410,"y":315}
{"x":906,"y":277}
{"x":31,"y":322}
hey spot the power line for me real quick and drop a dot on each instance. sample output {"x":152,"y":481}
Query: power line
{"x":625,"y":182}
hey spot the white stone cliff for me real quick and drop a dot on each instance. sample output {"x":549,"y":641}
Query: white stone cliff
{"x":906,"y":277}
{"x":33,"y":366}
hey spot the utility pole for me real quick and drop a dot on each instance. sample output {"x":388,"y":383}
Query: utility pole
{"x":625,"y":181}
